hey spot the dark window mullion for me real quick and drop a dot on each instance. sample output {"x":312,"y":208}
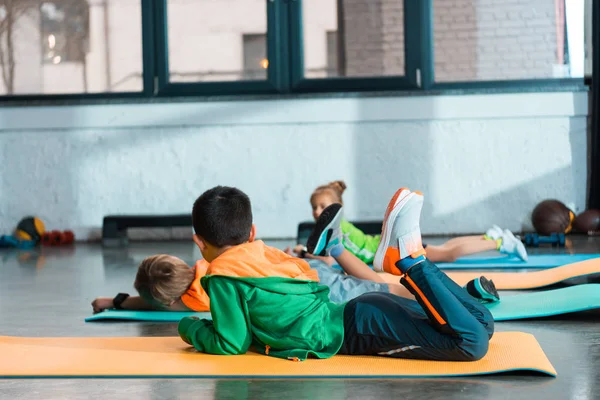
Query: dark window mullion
{"x":162,"y":45}
{"x":167,"y":88}
{"x":148,"y":46}
{"x":296,"y":43}
{"x":339,"y":84}
{"x":418,"y":43}
{"x":278,"y":44}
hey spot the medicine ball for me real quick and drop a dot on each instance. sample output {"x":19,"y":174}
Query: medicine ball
{"x":552,"y":216}
{"x":30,"y":228}
{"x":587,"y":221}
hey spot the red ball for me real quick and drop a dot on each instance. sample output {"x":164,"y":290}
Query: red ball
{"x":47,"y":239}
{"x":69,"y":237}
{"x":56,"y":238}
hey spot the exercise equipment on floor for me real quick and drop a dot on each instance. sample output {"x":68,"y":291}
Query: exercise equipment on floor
{"x":31,"y":231}
{"x":154,"y":357}
{"x":15,"y":242}
{"x":520,"y":306}
{"x":154,"y":316}
{"x":26,"y":235}
{"x":58,"y":238}
{"x":525,"y":280}
{"x":587,"y":222}
{"x":552,"y":216}
{"x":538,"y":261}
{"x":546,"y":303}
{"x":554,"y":239}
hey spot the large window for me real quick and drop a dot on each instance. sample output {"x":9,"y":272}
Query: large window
{"x":210,"y":47}
{"x":211,"y":40}
{"x":369,"y":37}
{"x":70,"y":46}
{"x":506,"y":40}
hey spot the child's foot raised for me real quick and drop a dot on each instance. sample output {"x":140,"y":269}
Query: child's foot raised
{"x":483,"y":289}
{"x":400,"y":246}
{"x":327,"y":235}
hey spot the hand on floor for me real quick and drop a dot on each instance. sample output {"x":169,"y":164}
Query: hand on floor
{"x":102,"y":303}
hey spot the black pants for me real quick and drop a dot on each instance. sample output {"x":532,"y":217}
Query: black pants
{"x":445,"y":323}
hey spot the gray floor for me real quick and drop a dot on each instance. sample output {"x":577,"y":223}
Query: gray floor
{"x":49,"y":294}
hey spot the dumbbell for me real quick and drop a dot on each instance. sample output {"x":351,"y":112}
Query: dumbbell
{"x":555,"y":239}
{"x":57,"y":238}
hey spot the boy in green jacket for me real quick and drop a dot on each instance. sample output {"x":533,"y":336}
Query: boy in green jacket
{"x":294,"y":319}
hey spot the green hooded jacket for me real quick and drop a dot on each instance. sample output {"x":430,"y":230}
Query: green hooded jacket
{"x":280,"y":317}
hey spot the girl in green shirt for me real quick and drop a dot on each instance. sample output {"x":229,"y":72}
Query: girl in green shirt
{"x":364,"y":246}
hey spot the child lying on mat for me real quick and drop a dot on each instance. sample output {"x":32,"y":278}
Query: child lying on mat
{"x":167,"y":283}
{"x":294,"y":318}
{"x":364,"y":246}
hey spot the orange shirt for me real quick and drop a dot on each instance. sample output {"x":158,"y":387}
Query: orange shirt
{"x":247,"y":260}
{"x":195,"y":298}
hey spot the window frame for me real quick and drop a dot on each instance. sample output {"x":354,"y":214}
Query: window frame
{"x":300,"y":84}
{"x":276,"y":54}
{"x":286,"y":70}
{"x":543,"y":84}
{"x":148,"y":56}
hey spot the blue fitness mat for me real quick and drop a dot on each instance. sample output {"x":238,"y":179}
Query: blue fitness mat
{"x":505,"y":262}
{"x":520,"y":306}
{"x":156,"y":316}
{"x":547,"y":303}
{"x":536,"y":261}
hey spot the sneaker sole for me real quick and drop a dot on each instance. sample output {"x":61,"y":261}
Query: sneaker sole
{"x":519,"y":250}
{"x":522,"y":252}
{"x":321,"y":240}
{"x":399,"y":196}
{"x":396,"y":199}
{"x":395,"y":205}
{"x":486,"y":289}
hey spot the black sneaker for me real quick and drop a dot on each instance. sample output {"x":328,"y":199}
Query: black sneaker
{"x":327,"y":232}
{"x":483,"y":289}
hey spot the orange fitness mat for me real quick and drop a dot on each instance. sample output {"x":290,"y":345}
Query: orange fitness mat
{"x":152,"y":357}
{"x":523,"y":280}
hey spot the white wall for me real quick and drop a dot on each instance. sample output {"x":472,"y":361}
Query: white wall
{"x":479,"y":159}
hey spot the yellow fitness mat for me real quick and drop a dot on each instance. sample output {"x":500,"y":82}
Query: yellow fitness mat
{"x":151,"y":357}
{"x":523,"y":280}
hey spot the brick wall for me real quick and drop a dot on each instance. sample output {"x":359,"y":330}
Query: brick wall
{"x":474,"y":39}
{"x":393,"y":37}
{"x":494,"y":39}
{"x":374,"y":37}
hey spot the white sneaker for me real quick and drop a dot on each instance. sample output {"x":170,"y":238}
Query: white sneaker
{"x":495,"y":232}
{"x":401,"y":232}
{"x":513,"y":246}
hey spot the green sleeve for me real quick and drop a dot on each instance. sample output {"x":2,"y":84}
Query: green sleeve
{"x":358,"y":243}
{"x":228,"y":333}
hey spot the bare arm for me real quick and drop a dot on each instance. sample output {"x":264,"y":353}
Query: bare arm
{"x":135,"y":303}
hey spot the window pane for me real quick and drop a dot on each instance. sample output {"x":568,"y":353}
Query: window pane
{"x":369,"y":41}
{"x":212,"y":40}
{"x":509,"y":39}
{"x":70,"y":46}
